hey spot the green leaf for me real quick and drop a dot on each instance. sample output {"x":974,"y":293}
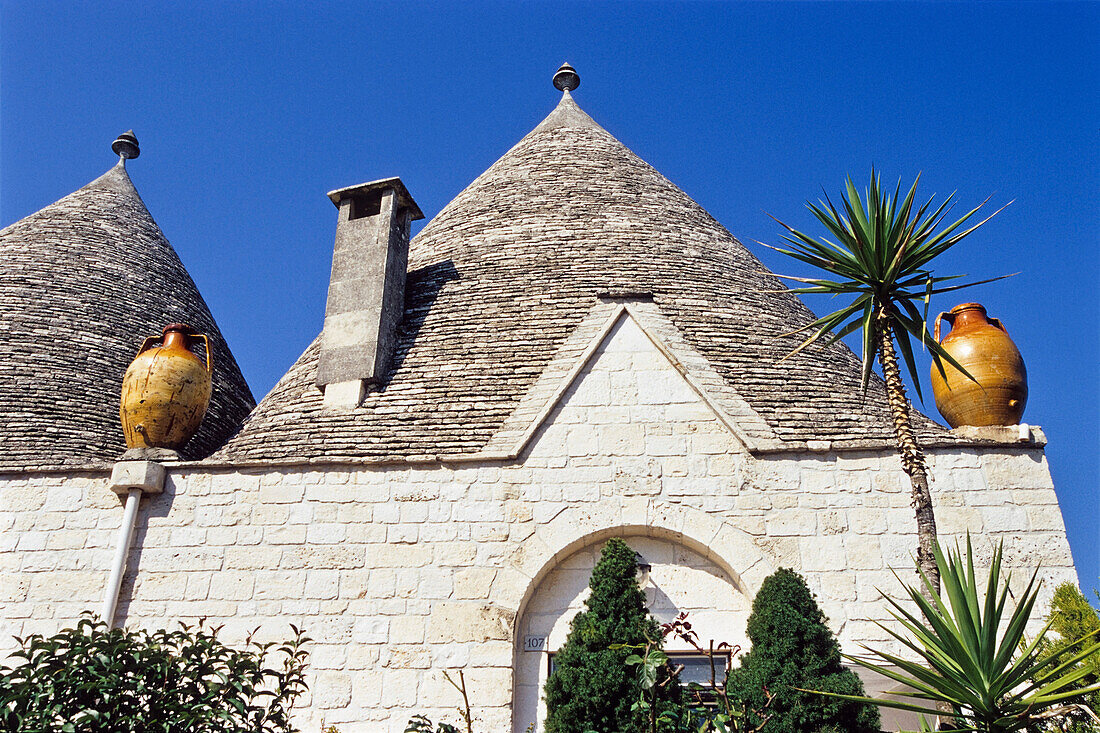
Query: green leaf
{"x":907,"y":353}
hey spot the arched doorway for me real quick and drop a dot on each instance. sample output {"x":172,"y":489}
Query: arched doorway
{"x":681,"y":579}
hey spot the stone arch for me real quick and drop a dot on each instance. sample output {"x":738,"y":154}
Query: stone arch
{"x":721,"y":554}
{"x":730,"y":548}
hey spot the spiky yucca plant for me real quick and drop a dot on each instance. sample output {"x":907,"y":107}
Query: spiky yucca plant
{"x":881,"y":256}
{"x":969,"y":654}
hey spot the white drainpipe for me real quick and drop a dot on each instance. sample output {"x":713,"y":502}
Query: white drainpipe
{"x":132,"y":478}
{"x":122,"y":551}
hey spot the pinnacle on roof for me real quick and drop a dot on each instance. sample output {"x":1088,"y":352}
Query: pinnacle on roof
{"x":501,"y":277}
{"x":85,"y":280}
{"x":566,"y":78}
{"x":126,"y":146}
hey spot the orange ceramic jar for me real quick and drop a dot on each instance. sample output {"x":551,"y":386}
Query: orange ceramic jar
{"x":166,"y":390}
{"x":998,"y":393}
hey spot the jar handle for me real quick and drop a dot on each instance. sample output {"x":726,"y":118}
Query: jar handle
{"x":945,"y":316}
{"x":146,"y":342}
{"x":997,"y":322}
{"x":209,"y":358}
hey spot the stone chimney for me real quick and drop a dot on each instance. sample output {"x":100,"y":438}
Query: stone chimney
{"x":366,"y":294}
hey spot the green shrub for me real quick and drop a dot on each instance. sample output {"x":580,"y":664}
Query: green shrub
{"x":592,"y":688}
{"x":1071,"y":617}
{"x":420,"y":724}
{"x":793,"y":650}
{"x":92,"y":679}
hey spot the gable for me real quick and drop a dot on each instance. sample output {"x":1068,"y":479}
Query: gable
{"x":625,"y":383}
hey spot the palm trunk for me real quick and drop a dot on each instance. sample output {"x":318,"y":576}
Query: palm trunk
{"x":912,"y":457}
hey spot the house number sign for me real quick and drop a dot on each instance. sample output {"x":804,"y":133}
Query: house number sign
{"x":534,"y":643}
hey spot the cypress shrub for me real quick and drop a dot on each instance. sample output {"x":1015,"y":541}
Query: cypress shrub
{"x":592,"y":689}
{"x":792,"y":647}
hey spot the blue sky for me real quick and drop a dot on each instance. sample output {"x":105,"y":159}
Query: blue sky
{"x":248,"y":113}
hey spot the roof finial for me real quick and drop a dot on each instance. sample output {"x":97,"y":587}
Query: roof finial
{"x":126,"y":145}
{"x":566,"y":78}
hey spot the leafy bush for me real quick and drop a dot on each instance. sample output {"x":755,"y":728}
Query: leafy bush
{"x":663,"y":711}
{"x":93,"y":679}
{"x":592,"y":688}
{"x":1071,"y":617}
{"x":706,"y":708}
{"x":420,"y":724}
{"x":794,"y":651}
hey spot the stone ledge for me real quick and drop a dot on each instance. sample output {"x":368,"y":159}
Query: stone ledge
{"x":148,"y":476}
{"x":160,"y":455}
{"x":1001,"y":434}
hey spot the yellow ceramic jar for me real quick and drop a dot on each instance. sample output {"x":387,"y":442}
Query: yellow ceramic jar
{"x":998,"y":393}
{"x":166,"y":390}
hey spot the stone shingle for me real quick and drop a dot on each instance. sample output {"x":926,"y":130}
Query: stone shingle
{"x":82,"y":283}
{"x":501,"y":277}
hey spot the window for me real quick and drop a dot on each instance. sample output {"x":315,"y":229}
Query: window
{"x":696,"y":666}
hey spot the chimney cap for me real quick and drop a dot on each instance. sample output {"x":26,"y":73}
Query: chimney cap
{"x":404,"y":198}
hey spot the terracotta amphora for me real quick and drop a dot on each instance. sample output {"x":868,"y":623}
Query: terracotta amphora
{"x":166,"y":390}
{"x":982,"y":346}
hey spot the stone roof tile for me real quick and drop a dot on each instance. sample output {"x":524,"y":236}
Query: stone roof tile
{"x":504,"y":274}
{"x":82,"y":283}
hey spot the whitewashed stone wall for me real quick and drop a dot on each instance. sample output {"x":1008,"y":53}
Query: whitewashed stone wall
{"x":401,"y":572}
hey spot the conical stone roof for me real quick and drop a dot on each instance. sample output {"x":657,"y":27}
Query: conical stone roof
{"x":82,"y":283}
{"x":509,"y":269}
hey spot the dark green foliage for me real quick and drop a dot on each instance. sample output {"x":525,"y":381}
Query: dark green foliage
{"x":420,"y":724}
{"x":1071,"y":617}
{"x":593,"y":689}
{"x":91,"y":679}
{"x":792,"y":647}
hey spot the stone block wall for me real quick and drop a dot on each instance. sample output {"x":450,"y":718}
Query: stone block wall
{"x":399,"y":572}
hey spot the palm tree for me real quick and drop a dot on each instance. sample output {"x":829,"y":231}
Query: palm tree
{"x":881,"y":256}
